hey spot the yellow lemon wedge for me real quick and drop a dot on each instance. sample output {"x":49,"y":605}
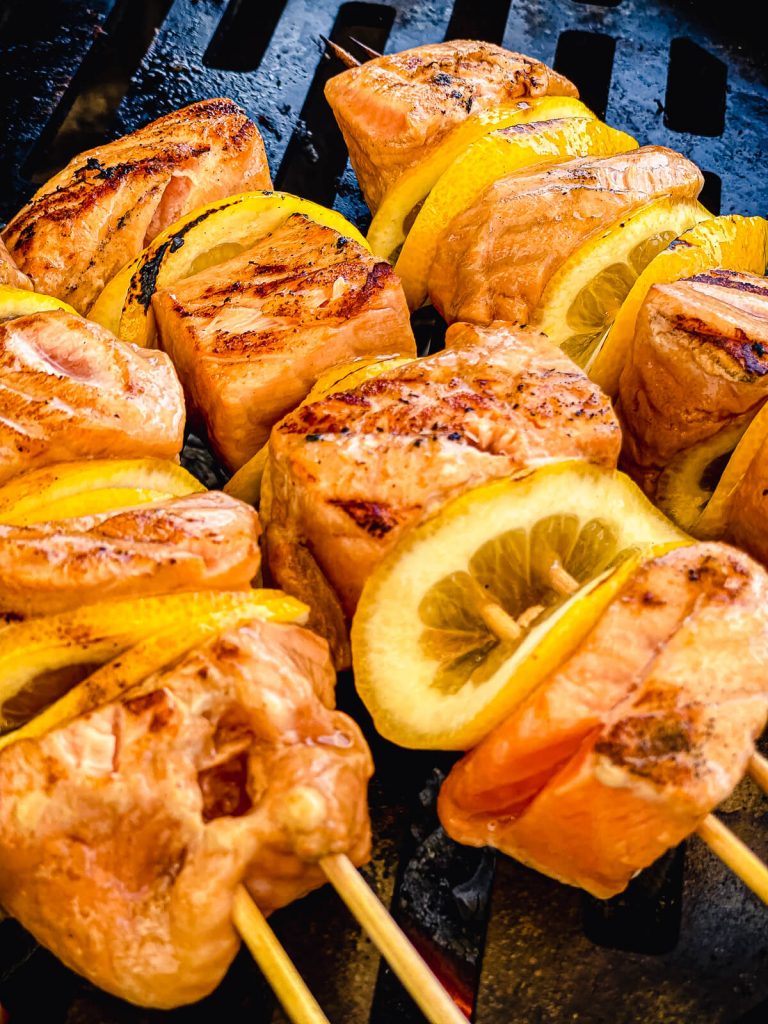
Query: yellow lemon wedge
{"x":156,"y":652}
{"x":728,"y":243}
{"x":712,"y":522}
{"x":246,"y":482}
{"x":401,"y":204}
{"x":90,"y":486}
{"x":583,"y":298}
{"x":203,"y":238}
{"x":43,"y":658}
{"x":15,"y":302}
{"x":477,"y":604}
{"x":490,"y":158}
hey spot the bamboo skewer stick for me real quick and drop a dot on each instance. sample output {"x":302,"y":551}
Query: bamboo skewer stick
{"x":274,"y":963}
{"x":341,"y":54}
{"x":369,"y":51}
{"x":426,"y":991}
{"x":736,"y":855}
{"x":758,"y":769}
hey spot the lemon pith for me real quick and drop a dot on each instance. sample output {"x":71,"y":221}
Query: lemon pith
{"x":431,"y":664}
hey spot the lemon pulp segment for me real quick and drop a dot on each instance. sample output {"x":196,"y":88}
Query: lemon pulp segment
{"x":15,"y":302}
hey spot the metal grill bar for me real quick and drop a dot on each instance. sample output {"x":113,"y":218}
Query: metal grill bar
{"x":687,"y":943}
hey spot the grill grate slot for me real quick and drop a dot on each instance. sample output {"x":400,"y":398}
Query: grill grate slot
{"x":711,"y":193}
{"x":316,"y":155}
{"x":97,"y":89}
{"x":243,"y":35}
{"x":587,"y":59}
{"x":696,"y":86}
{"x":473,"y":20}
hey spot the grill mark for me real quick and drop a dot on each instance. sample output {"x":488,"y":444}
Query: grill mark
{"x":375,"y":518}
{"x":729,"y":279}
{"x":751,"y":355}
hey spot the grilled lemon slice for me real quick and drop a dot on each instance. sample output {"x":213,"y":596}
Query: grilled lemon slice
{"x":41,"y":659}
{"x":474,"y":606}
{"x":582,"y":299}
{"x":492,"y":157}
{"x":713,"y":521}
{"x":687,"y":484}
{"x":21,"y":302}
{"x":155,"y":653}
{"x":728,"y":243}
{"x":70,"y":489}
{"x":401,"y":204}
{"x":204,"y":238}
{"x":246,"y":483}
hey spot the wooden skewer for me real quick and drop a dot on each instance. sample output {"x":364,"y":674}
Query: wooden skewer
{"x":275,"y":964}
{"x":736,"y":855}
{"x":426,"y":991}
{"x":373,"y":54}
{"x":758,"y":769}
{"x":344,"y":56}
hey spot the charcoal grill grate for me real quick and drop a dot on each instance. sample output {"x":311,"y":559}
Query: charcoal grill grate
{"x":687,"y":944}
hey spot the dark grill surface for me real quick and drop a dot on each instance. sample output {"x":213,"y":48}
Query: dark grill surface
{"x":687,"y":944}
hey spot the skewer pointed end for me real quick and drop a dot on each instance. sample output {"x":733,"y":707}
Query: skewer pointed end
{"x":344,"y":56}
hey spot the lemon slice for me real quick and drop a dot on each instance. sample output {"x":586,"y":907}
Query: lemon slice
{"x":401,"y":204}
{"x":203,"y":238}
{"x":41,"y":659}
{"x":70,"y":489}
{"x":714,"y":518}
{"x":16,"y":302}
{"x":155,"y":653}
{"x":582,"y":299}
{"x":246,"y":483}
{"x":492,"y":157}
{"x":687,"y":484}
{"x":474,"y":606}
{"x":728,"y":243}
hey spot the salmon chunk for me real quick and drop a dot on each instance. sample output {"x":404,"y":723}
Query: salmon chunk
{"x":346,"y":475}
{"x":9,"y":272}
{"x":496,"y":258}
{"x":251,"y":336}
{"x":697,"y":366}
{"x":125,"y":833}
{"x":625,"y":749}
{"x":748,"y":508}
{"x":70,"y":390}
{"x":394,"y":109}
{"x":198,"y":542}
{"x":108,"y":203}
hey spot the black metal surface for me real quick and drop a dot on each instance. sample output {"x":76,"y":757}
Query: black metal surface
{"x":688,"y":944}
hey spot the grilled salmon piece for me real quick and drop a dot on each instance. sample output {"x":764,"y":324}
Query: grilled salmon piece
{"x":393,"y":109}
{"x":625,"y":749}
{"x":203,"y":541}
{"x":9,"y":272}
{"x":124,"y":833}
{"x":347,"y":474}
{"x":495,"y":259}
{"x":698,"y":365}
{"x":250,"y":337}
{"x":108,"y":203}
{"x":70,"y":390}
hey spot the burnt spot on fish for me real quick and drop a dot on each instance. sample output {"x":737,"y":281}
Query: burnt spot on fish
{"x":733,"y":280}
{"x":373,"y":517}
